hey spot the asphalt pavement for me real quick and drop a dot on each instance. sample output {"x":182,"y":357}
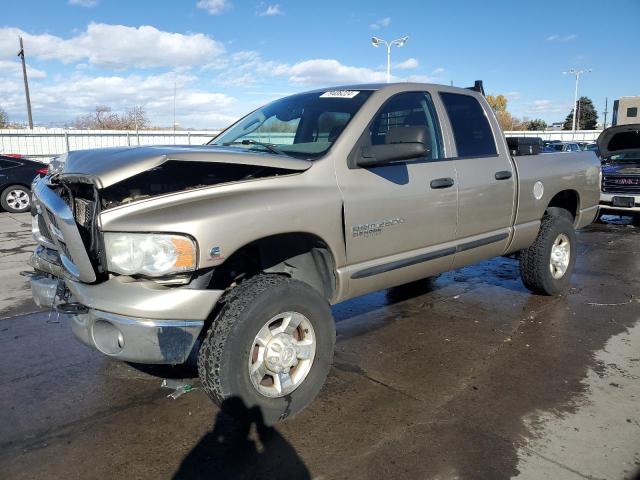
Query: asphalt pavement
{"x":464,"y":376}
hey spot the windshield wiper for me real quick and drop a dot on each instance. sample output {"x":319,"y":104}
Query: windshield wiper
{"x":269,"y":146}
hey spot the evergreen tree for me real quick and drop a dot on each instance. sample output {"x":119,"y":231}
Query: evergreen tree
{"x":587,"y":116}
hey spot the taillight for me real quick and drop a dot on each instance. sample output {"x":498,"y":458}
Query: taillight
{"x":42,"y":171}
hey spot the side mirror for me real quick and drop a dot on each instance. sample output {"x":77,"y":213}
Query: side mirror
{"x":378,"y":155}
{"x":401,"y":143}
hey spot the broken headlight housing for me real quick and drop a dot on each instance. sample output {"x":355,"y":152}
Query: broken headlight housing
{"x":149,"y":254}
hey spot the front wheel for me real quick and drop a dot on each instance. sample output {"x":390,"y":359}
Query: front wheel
{"x":271,"y":346}
{"x":547,"y":265}
{"x":16,"y":199}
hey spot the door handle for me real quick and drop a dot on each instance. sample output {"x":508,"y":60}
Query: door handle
{"x":503,"y":175}
{"x":442,"y":183}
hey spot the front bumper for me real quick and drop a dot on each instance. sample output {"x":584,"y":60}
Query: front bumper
{"x":128,"y":319}
{"x":606,"y":204}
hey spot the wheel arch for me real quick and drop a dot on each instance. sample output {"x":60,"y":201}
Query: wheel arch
{"x":568,"y":200}
{"x":300,"y":255}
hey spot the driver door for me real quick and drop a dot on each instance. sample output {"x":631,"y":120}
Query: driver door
{"x":400,"y":218}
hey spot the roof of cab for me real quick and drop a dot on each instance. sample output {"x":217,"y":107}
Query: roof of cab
{"x":392,"y":85}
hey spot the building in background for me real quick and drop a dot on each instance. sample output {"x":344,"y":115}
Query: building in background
{"x":626,"y":110}
{"x":555,"y":126}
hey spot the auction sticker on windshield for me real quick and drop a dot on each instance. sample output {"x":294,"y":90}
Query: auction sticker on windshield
{"x":340,"y":94}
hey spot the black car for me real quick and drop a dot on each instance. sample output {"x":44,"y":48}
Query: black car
{"x":16,"y":175}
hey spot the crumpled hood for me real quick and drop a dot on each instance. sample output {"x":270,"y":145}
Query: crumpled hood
{"x":618,"y":139}
{"x":107,"y":166}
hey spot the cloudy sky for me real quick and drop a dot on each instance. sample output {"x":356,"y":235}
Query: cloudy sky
{"x":226,"y":57}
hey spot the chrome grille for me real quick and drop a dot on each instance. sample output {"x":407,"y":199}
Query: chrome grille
{"x":83,"y":211}
{"x":63,"y":228}
{"x":44,"y":230}
{"x":65,"y":250}
{"x":624,"y":184}
{"x":52,"y":219}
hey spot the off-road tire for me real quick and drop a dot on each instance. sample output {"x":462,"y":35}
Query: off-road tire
{"x":3,"y":199}
{"x":534,"y":261}
{"x":224,"y":354}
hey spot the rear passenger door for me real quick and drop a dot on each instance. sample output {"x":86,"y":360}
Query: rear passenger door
{"x":486,"y":180}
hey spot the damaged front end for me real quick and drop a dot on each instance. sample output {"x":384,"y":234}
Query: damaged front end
{"x":134,"y":315}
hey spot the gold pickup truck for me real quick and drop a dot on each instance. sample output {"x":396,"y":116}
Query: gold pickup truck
{"x":233,"y":252}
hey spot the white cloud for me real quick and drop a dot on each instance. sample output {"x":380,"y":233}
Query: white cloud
{"x":408,"y":64}
{"x":117,"y":46}
{"x":68,"y":97}
{"x":214,"y":7}
{"x":328,"y":72}
{"x":546,"y":106}
{"x":382,"y":23}
{"x":248,"y":67}
{"x":540,"y":105}
{"x":13,"y":68}
{"x":84,"y":3}
{"x":270,"y":11}
{"x":561,"y":38}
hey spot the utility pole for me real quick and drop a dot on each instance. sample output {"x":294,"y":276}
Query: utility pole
{"x":26,"y":83}
{"x":606,"y":106}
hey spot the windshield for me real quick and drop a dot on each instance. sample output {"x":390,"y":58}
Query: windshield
{"x":557,"y":147}
{"x":302,"y":126}
{"x":630,"y":156}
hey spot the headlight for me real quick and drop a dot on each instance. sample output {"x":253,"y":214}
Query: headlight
{"x":151,"y":254}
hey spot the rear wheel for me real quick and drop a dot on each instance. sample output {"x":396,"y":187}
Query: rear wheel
{"x":16,"y":199}
{"x":547,"y":265}
{"x":271,"y":346}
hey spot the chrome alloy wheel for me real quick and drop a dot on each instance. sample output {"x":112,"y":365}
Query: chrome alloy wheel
{"x":560,"y":256}
{"x":17,"y":199}
{"x":282,"y":354}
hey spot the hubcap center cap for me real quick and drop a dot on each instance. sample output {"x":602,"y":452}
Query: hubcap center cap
{"x":280,"y":353}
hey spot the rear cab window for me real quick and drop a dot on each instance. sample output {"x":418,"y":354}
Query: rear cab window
{"x":471,"y":129}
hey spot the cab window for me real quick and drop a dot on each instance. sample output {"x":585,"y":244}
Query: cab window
{"x":411,"y":109}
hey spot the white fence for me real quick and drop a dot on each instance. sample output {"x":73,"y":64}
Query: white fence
{"x":562,"y":135}
{"x":47,"y":143}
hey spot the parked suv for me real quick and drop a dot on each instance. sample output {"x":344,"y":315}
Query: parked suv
{"x":620,"y":150}
{"x":234,"y":251}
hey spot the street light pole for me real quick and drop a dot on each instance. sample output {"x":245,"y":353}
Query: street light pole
{"x":26,"y":83}
{"x":388,"y":63}
{"x":577,"y":74}
{"x":399,"y":42}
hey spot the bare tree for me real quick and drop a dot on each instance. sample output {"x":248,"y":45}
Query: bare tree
{"x":103,"y":118}
{"x":4,"y":118}
{"x":135,"y":119}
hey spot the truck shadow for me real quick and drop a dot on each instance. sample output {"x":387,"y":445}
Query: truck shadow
{"x":241,"y":446}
